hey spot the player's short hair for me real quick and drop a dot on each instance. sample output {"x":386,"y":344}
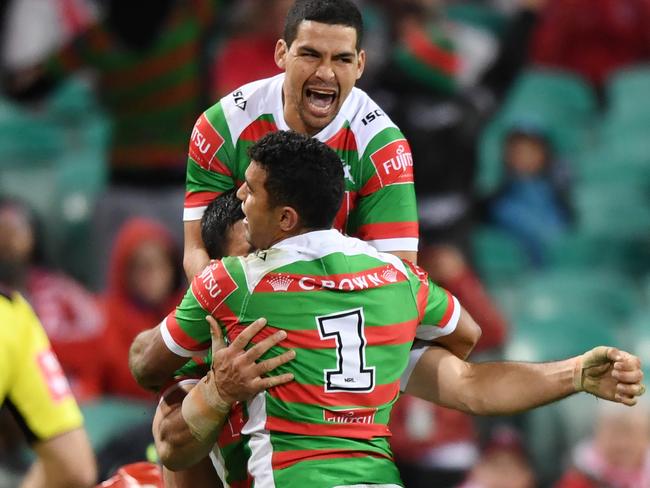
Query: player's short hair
{"x":331,"y":12}
{"x":221,"y":214}
{"x":302,"y":173}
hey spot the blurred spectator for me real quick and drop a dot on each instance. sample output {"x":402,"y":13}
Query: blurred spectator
{"x":593,"y":37}
{"x":504,"y":463}
{"x":533,"y":200}
{"x":257,"y":27}
{"x":618,"y":454}
{"x":148,"y":62}
{"x":433,"y":446}
{"x":70,"y":314}
{"x":145,"y":283}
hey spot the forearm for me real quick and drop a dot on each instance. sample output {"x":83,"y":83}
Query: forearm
{"x":195,"y":257}
{"x":151,"y":363}
{"x":201,"y":475}
{"x":497,"y":388}
{"x":185,"y":431}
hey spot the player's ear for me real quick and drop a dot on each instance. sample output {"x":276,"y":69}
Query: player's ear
{"x":281,"y":50}
{"x":289,"y":219}
{"x":361,"y":63}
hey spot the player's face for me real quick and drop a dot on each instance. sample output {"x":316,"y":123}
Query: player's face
{"x":236,"y":243}
{"x":322,"y":65}
{"x":261,"y":222}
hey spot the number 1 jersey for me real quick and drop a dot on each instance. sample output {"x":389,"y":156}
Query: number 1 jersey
{"x":351,"y":314}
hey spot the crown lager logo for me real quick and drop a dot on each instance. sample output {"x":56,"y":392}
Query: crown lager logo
{"x":280,"y":282}
{"x":390,"y":275}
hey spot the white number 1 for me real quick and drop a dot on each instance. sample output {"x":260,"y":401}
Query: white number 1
{"x":352,"y":374}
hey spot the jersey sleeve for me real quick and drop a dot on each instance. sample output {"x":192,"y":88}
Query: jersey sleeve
{"x":185,"y":330}
{"x":209,"y":163}
{"x":386,"y":214}
{"x":40,"y":396}
{"x":438,"y":310}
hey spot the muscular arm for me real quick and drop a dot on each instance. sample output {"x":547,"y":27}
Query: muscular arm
{"x":150,"y":360}
{"x":175,"y":443}
{"x":187,"y":428}
{"x":461,"y":341}
{"x":504,"y":388}
{"x":65,"y":461}
{"x":195,"y":257}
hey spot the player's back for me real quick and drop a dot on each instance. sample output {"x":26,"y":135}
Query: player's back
{"x":351,"y":315}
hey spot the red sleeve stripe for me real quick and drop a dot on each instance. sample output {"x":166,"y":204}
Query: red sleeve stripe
{"x":285,"y":459}
{"x":354,"y":431}
{"x":181,"y":338}
{"x":200,"y":198}
{"x":315,"y":395}
{"x":387,"y":230}
{"x":422,"y":298}
{"x":385,"y":335}
{"x":449,"y":313}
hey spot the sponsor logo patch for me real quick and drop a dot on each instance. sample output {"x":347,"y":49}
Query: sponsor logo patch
{"x":57,"y":384}
{"x":213,"y":286}
{"x":393,"y":163}
{"x":353,"y":416}
{"x":204,"y":142}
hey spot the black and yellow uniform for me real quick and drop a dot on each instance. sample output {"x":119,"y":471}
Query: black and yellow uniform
{"x":32,"y":383}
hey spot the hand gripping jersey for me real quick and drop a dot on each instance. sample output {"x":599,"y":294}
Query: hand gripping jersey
{"x":351,"y":314}
{"x":32,"y":383}
{"x":379,"y":204}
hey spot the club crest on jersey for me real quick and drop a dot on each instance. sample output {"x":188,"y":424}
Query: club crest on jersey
{"x":393,"y":163}
{"x":352,"y":416}
{"x":205,"y":142}
{"x":280,"y":282}
{"x":213,"y":286}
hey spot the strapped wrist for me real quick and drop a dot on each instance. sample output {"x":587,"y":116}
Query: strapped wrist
{"x":577,"y":374}
{"x":204,"y":411}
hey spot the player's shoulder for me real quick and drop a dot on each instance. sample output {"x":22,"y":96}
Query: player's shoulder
{"x":250,"y":101}
{"x":368,"y":121}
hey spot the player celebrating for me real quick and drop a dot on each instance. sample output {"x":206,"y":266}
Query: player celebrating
{"x":350,"y":311}
{"x":322,"y":58}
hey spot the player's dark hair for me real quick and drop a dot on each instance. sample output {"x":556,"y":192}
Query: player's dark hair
{"x":302,"y":173}
{"x":220,"y":215}
{"x":331,"y":12}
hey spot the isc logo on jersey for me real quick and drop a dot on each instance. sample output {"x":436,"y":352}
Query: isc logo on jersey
{"x":205,"y":142}
{"x":213,"y":286}
{"x":393,"y":163}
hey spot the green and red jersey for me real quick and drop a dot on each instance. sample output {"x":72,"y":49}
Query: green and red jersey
{"x":351,"y":314}
{"x":379,"y":204}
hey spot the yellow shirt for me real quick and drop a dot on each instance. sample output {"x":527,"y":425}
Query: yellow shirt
{"x":32,"y":382}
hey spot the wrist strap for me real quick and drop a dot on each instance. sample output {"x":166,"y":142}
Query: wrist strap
{"x":577,"y":374}
{"x":204,"y":410}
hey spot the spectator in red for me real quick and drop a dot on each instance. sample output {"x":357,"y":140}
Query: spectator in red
{"x":618,"y":455}
{"x":145,"y":282}
{"x":593,"y":38}
{"x":69,"y":313}
{"x":254,"y":40}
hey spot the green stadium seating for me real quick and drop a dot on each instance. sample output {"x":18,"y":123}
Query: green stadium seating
{"x":479,"y":16}
{"x":627,"y":94}
{"x":551,"y":295}
{"x":499,"y":257}
{"x":562,"y":104}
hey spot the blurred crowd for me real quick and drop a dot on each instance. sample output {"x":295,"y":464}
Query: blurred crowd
{"x":528,"y":121}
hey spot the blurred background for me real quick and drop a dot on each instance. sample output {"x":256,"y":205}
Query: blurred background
{"x":530,"y":126}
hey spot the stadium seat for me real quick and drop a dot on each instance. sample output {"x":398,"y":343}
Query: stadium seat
{"x":476,"y":15}
{"x":553,"y":295}
{"x":627,"y":94}
{"x":499,"y":257}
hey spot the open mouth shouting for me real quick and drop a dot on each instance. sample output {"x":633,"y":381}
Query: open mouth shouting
{"x":321,"y":101}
